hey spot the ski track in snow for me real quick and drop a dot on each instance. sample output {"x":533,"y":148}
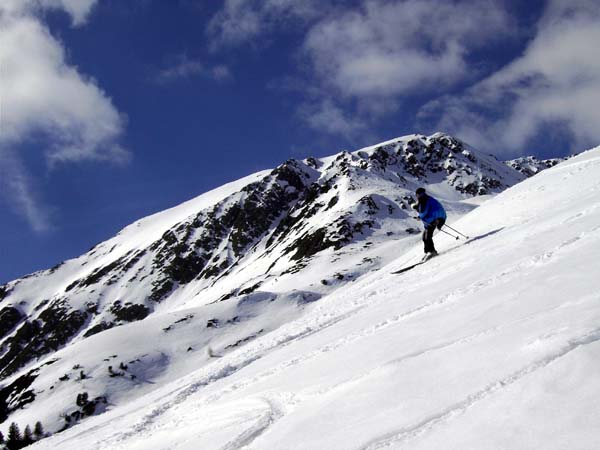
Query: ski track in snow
{"x":144,"y":425}
{"x":404,"y":435}
{"x":264,"y":423}
{"x":251,"y":434}
{"x":443,"y":301}
{"x":356,"y":307}
{"x":310,"y":393}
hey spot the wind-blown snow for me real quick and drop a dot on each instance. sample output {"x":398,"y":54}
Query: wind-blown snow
{"x":494,"y":344}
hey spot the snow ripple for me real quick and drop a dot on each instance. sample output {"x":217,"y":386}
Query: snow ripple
{"x":402,"y":436}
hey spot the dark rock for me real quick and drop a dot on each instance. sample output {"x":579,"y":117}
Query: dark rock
{"x":333,"y":202}
{"x":4,"y":292}
{"x":309,"y":244}
{"x":129,"y":312}
{"x":185,"y":319}
{"x":99,"y":328}
{"x":212,"y":323}
{"x":9,"y":318}
{"x":161,"y":289}
{"x":17,"y":394}
{"x":245,"y":340}
{"x":250,"y":289}
{"x":54,"y":327}
{"x":86,"y":408}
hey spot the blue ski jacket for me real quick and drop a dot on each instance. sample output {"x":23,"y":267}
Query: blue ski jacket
{"x":431,"y":210}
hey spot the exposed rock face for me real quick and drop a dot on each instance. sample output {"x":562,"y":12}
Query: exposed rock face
{"x":9,"y":318}
{"x":51,"y":329}
{"x":212,"y":241}
{"x":530,"y":165}
{"x":440,"y":155}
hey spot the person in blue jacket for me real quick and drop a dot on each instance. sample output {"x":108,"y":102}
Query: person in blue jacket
{"x":433,"y":216}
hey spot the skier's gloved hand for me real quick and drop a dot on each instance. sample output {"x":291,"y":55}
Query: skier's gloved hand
{"x":440,"y":224}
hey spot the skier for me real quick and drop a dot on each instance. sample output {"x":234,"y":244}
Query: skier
{"x":433,"y":215}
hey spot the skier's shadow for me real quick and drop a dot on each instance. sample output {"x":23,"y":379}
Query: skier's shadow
{"x":476,"y":238}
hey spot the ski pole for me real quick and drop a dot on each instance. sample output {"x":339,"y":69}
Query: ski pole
{"x":456,"y":231}
{"x":449,"y":234}
{"x":443,"y":231}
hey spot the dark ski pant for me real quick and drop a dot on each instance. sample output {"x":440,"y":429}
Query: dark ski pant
{"x":428,"y":234}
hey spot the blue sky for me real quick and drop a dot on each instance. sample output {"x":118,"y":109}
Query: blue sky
{"x":112,"y":110}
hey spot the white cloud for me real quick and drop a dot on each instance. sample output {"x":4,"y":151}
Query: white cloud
{"x":394,"y":48}
{"x":556,"y":82}
{"x":220,"y":72}
{"x":42,"y":94}
{"x":361,"y":59}
{"x":19,"y":193}
{"x":184,"y":67}
{"x":45,"y":97}
{"x":79,"y":10}
{"x":244,"y":21}
{"x":326,"y":116}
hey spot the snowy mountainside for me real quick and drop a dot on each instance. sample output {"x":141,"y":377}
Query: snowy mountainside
{"x":493,"y":344}
{"x":530,"y":165}
{"x":219,"y":271}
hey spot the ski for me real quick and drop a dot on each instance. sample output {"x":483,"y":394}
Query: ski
{"x":468,"y":241}
{"x":412,"y":266}
{"x":407,"y":268}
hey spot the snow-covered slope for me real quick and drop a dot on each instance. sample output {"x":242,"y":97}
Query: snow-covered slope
{"x":494,"y":344}
{"x":220,"y":270}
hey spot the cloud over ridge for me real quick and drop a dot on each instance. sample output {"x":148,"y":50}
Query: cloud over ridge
{"x":555,"y":81}
{"x":390,"y":48}
{"x":361,"y":59}
{"x":42,"y":94}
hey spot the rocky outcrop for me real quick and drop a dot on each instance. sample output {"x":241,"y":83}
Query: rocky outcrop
{"x":530,"y":165}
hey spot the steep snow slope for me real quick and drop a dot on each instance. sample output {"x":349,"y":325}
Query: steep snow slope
{"x":494,"y":344}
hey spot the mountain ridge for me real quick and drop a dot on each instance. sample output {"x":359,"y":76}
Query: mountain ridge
{"x":242,"y":243}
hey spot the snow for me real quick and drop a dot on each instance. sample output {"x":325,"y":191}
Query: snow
{"x":174,"y":339}
{"x":493,"y":344}
{"x":137,"y":235}
{"x":151,"y":227}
